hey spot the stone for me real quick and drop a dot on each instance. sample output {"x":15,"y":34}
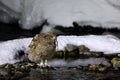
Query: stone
{"x":42,"y":48}
{"x":83,"y":48}
{"x":18,"y":75}
{"x":110,"y":56}
{"x":71,"y":47}
{"x":71,"y":51}
{"x":97,"y":54}
{"x":116,"y":63}
{"x":98,"y":67}
{"x":119,"y":54}
{"x":3,"y":72}
{"x":59,"y":54}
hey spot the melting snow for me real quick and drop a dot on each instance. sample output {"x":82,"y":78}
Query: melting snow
{"x":106,"y":43}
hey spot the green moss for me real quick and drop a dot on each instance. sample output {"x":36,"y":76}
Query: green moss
{"x":59,"y":54}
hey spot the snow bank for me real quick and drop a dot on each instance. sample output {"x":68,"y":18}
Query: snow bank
{"x":8,"y":15}
{"x":9,"y":49}
{"x":98,"y":13}
{"x":107,"y":44}
{"x":15,"y":5}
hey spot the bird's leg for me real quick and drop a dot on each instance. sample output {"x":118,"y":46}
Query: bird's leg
{"x":41,"y":63}
{"x":46,"y":62}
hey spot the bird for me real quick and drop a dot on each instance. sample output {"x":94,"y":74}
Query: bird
{"x":42,"y":48}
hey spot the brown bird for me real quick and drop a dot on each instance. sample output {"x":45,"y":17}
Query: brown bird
{"x":42,"y":48}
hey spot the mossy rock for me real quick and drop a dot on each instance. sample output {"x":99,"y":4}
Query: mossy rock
{"x":116,"y":63}
{"x":73,"y":54}
{"x":59,"y":54}
{"x":71,"y":51}
{"x":97,"y":54}
{"x":98,"y":67}
{"x":111,"y":56}
{"x":83,"y":48}
{"x":18,"y":75}
{"x":71,"y":47}
{"x":2,"y":66}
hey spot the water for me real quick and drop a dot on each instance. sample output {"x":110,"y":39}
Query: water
{"x":72,"y":74}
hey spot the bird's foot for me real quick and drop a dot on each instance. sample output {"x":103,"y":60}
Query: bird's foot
{"x":42,"y":65}
{"x":47,"y":65}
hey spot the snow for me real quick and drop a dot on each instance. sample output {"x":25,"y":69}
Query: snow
{"x":10,"y":48}
{"x":15,"y":5}
{"x":7,"y":15}
{"x":105,"y":43}
{"x":98,"y":13}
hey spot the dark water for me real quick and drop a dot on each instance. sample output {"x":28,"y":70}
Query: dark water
{"x":71,"y":74}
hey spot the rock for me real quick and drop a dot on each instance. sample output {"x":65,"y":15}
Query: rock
{"x":116,"y":63}
{"x":83,"y":48}
{"x":119,"y":54}
{"x":42,"y":47}
{"x":71,"y":47}
{"x":79,"y":67}
{"x":71,"y":51}
{"x":2,"y":66}
{"x":4,"y":72}
{"x":98,"y":67}
{"x":18,"y":75}
{"x":9,"y":66}
{"x":59,"y":54}
{"x":97,"y":54}
{"x":110,"y":56}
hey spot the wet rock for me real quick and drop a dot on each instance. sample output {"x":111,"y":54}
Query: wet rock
{"x":8,"y":66}
{"x":83,"y":48}
{"x":71,"y":51}
{"x":85,"y":68}
{"x":71,"y":47}
{"x":119,"y":55}
{"x":84,"y":52}
{"x":18,"y":75}
{"x":79,"y":67}
{"x":110,"y":56}
{"x":97,"y":54}
{"x":98,"y":67}
{"x":4,"y":72}
{"x":2,"y":66}
{"x":116,"y":63}
{"x":59,"y":54}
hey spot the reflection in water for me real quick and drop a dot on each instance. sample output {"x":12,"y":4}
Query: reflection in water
{"x":71,"y":74}
{"x":41,"y":74}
